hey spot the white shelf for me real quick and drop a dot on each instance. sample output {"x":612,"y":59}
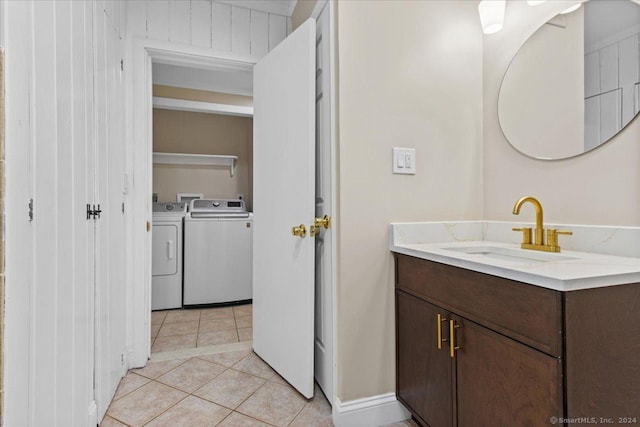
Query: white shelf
{"x":196,"y":159}
{"x":201,"y":107}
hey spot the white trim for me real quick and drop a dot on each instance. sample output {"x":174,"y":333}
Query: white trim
{"x":202,"y":107}
{"x":333,"y":58}
{"x":372,"y":411}
{"x":274,"y":7}
{"x":317,"y":10}
{"x":144,"y":52}
{"x":164,"y":52}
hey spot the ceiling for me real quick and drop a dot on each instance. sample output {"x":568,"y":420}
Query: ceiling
{"x":280,"y":7}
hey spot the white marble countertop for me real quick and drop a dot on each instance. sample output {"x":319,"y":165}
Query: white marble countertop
{"x":566,"y":271}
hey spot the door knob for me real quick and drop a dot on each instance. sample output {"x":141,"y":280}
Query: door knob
{"x":299,"y":231}
{"x":325,"y":222}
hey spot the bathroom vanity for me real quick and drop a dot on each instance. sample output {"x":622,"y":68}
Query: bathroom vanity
{"x":489,"y":334}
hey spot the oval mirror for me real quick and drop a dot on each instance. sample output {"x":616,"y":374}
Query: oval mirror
{"x":574,"y":84}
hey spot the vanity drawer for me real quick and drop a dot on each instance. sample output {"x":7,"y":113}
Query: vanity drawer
{"x":527,"y":313}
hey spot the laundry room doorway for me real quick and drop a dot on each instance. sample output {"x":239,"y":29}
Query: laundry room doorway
{"x":147,"y":54}
{"x":202,"y":150}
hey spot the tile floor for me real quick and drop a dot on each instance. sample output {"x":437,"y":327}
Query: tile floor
{"x":224,"y":389}
{"x":181,"y":329}
{"x":198,"y":377}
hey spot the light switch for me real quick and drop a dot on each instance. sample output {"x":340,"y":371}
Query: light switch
{"x":404,"y":161}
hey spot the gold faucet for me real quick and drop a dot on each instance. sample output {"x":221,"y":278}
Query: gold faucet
{"x":538,"y":244}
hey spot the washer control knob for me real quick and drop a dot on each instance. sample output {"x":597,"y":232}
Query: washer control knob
{"x":169,"y":207}
{"x":216,"y":204}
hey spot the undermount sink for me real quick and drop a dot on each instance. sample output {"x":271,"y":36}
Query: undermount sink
{"x":510,"y":254}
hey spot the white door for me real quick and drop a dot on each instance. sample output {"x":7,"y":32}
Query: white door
{"x":50,"y":149}
{"x":284,"y":197}
{"x":324,"y":197}
{"x":110,"y":293}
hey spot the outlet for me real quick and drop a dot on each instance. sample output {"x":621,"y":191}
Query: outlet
{"x":404,"y":161}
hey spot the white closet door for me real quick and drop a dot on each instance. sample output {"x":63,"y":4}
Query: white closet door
{"x":110,"y":350}
{"x":49,"y":334}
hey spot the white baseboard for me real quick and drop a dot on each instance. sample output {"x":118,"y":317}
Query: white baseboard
{"x":370,"y":411}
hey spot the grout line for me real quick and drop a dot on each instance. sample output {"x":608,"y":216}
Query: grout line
{"x":200,"y":351}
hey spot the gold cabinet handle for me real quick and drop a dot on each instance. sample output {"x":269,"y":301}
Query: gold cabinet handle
{"x":299,"y":231}
{"x":325,"y":222}
{"x":441,"y":320}
{"x":452,"y":338}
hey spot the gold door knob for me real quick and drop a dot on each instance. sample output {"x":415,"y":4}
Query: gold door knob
{"x":325,"y":222}
{"x":299,"y":231}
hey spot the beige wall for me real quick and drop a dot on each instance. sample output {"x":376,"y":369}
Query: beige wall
{"x":410,"y":75}
{"x":200,"y":133}
{"x":600,"y":187}
{"x":302,"y":12}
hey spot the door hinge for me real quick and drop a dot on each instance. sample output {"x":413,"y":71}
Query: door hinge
{"x":122,"y":64}
{"x":30,"y":210}
{"x":93,"y":211}
{"x":122,"y":208}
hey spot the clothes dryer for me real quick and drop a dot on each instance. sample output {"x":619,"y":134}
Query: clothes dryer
{"x":167,"y":250}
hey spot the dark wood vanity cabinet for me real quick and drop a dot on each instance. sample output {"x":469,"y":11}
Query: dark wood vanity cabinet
{"x":526,"y":353}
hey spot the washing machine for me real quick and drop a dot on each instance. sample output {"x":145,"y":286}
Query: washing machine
{"x":218,"y":252}
{"x":166,"y":261}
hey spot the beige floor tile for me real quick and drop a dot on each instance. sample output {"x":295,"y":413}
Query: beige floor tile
{"x":216,"y":313}
{"x":191,"y":411}
{"x":212,"y":325}
{"x":144,"y":404}
{"x":243,"y":310}
{"x":227,"y":359}
{"x":129,"y":383}
{"x":274,"y":403}
{"x":316,"y":412}
{"x":174,"y":343}
{"x":155,"y":328}
{"x":182,"y":316}
{"x":179,"y":328}
{"x":158,"y":316}
{"x":244,"y":321}
{"x":217,"y":337}
{"x":254,"y":365}
{"x":245,"y":334}
{"x":191,"y":375}
{"x":278,"y":379}
{"x":239,"y":420}
{"x":110,"y":422}
{"x":155,"y":369}
{"x":230,"y":388}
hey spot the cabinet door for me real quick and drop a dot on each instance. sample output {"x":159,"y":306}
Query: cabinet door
{"x":501,"y":382}
{"x":424,"y":381}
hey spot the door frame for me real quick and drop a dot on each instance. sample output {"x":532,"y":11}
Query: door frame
{"x":141,"y":53}
{"x":140,"y":115}
{"x":330,"y":7}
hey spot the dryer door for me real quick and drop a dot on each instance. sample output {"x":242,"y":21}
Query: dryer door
{"x":165,"y":259}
